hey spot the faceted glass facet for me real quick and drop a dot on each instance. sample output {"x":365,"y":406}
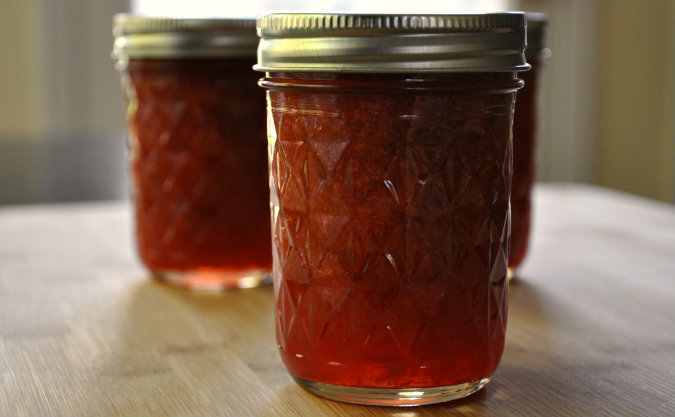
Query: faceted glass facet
{"x":390,"y":218}
{"x":198,"y":158}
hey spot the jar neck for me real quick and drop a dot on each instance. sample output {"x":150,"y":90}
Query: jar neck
{"x":442,"y":83}
{"x":187,"y":63}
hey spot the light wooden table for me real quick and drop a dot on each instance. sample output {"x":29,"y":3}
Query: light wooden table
{"x":83,"y":331}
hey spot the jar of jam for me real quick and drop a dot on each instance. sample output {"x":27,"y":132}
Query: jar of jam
{"x":525,"y":138}
{"x":197,"y":149}
{"x":390,"y":174}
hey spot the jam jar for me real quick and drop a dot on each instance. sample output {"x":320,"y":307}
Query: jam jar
{"x":390,"y":174}
{"x":525,"y":138}
{"x":197,"y":149}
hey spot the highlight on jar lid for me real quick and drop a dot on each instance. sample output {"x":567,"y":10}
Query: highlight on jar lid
{"x":391,"y":42}
{"x":159,"y":37}
{"x":537,"y":32}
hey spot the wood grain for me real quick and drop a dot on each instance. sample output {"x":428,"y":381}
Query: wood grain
{"x":83,"y":331}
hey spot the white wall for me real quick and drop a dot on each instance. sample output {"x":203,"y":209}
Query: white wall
{"x":608,"y":112}
{"x":19,"y":74}
{"x":636,"y":119}
{"x":569,"y":93}
{"x":57,"y":76}
{"x":61,"y":108}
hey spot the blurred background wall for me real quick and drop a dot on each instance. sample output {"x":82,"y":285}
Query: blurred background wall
{"x":608,"y":114}
{"x":61,"y":111}
{"x":608,"y":90}
{"x":636,"y":120}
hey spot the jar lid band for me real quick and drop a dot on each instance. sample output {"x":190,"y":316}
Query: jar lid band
{"x":158,"y":37}
{"x":391,"y":43}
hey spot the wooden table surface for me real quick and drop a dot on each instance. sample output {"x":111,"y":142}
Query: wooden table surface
{"x":83,"y":331}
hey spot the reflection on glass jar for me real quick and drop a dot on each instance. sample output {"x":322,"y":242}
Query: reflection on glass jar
{"x":197,"y":150}
{"x":390,"y":207}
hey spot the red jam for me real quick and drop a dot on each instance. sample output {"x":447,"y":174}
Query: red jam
{"x":524,"y":138}
{"x":390,"y":199}
{"x":199,"y":164}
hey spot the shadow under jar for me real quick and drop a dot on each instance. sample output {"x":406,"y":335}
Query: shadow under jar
{"x":390,"y":178}
{"x":197,"y":149}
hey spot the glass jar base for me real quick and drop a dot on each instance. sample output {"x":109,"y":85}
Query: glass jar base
{"x":214,"y":279}
{"x":405,"y":397}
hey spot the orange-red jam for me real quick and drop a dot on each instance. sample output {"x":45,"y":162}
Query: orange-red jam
{"x":199,"y":164}
{"x":390,"y":201}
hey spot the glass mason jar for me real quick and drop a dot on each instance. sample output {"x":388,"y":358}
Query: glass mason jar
{"x":197,"y":149}
{"x":390,"y":173}
{"x":525,"y":138}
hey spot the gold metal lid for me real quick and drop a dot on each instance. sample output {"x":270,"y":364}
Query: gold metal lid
{"x":537,"y":32}
{"x":159,"y":37}
{"x":391,"y":43}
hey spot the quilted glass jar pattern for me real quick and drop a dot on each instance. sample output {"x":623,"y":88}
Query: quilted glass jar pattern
{"x":390,"y":199}
{"x":390,"y":176}
{"x":197,"y":150}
